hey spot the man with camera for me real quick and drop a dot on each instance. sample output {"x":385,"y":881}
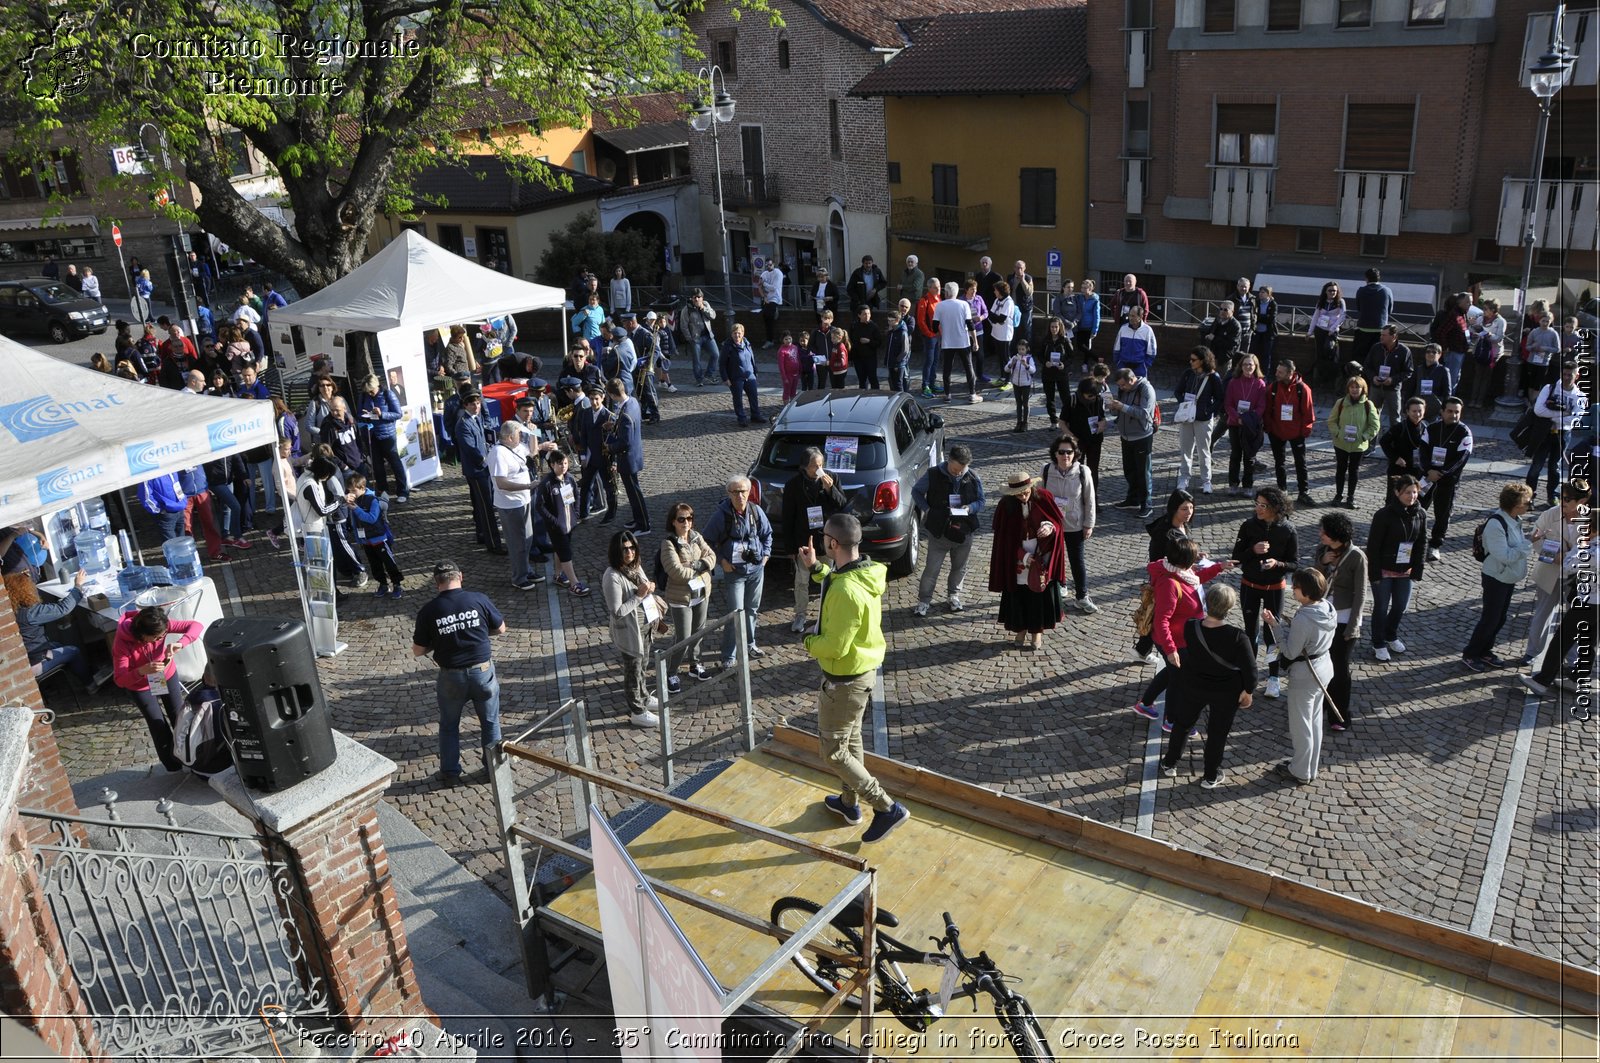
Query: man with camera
{"x":809,"y":499}
{"x":742,"y":537}
{"x":950,"y":496}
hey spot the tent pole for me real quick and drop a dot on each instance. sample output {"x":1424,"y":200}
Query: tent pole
{"x":294,"y":540}
{"x":127,"y":520}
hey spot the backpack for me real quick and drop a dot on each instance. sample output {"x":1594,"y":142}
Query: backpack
{"x":1479,"y":551}
{"x":1016,"y":316}
{"x":1144,"y":616}
{"x":658,"y":575}
{"x":196,"y":738}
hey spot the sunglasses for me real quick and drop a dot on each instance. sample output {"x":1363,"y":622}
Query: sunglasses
{"x":629,"y":546}
{"x":1068,"y":450}
{"x":683,"y":520}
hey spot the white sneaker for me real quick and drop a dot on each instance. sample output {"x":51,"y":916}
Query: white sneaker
{"x":1433,"y":554}
{"x":1382,"y":654}
{"x":1205,"y":489}
{"x":644,"y":719}
{"x":955,"y":604}
{"x":1183,"y":483}
{"x":652,"y":703}
{"x":1152,"y":658}
{"x":672,"y":389}
{"x":1272,"y":653}
{"x":1397,"y":646}
{"x":1274,"y":687}
{"x":1086,"y":605}
{"x":920,"y":609}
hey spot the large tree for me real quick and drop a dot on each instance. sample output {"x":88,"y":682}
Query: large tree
{"x":345,"y":101}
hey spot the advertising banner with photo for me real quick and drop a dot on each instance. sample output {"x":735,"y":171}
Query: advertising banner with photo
{"x":405,"y":370}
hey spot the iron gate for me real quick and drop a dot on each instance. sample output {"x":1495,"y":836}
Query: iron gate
{"x":184,"y":941}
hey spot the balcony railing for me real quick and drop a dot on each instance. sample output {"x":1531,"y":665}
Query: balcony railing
{"x":1240,"y":195}
{"x":1136,"y":58}
{"x":940,"y":223}
{"x":1567,"y":214}
{"x":1371,"y":201}
{"x":1135,"y":179}
{"x":741,"y":189}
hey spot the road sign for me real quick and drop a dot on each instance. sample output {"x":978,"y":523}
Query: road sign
{"x":116,"y":235}
{"x":1052,"y":270}
{"x":161,"y":198}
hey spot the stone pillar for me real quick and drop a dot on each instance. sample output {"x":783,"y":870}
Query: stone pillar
{"x":351,"y":921}
{"x":37,"y":985}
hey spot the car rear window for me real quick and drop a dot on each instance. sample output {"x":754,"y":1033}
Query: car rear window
{"x":787,"y":450}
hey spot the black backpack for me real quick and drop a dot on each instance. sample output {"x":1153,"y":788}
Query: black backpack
{"x":1479,"y":551}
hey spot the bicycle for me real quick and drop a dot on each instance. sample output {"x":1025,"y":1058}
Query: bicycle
{"x":917,"y":1009}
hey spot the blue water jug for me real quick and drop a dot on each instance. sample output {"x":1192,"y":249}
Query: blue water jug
{"x":183,"y":559}
{"x":133,"y":579}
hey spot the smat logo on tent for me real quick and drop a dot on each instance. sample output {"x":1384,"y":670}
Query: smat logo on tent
{"x":149,"y":456}
{"x":224,"y":434}
{"x":59,"y":484}
{"x":41,"y":417}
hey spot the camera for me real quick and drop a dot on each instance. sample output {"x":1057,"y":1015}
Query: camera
{"x":750,"y":556}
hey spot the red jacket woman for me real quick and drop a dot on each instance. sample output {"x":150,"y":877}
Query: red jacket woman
{"x":1028,"y":564}
{"x":1290,"y":413}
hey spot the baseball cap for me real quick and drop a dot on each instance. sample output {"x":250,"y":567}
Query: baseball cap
{"x":650,"y":315}
{"x":443,"y":570}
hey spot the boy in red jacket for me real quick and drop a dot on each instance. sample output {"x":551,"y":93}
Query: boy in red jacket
{"x":1290,"y":416}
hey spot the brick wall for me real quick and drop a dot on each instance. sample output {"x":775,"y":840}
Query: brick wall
{"x":45,"y":784}
{"x":1474,"y":127}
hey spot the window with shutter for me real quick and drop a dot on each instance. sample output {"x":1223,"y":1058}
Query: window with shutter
{"x":1355,"y":14}
{"x":1218,"y":17}
{"x":1378,"y":136}
{"x":1283,"y":16}
{"x":1136,"y":130}
{"x":1247,"y":134}
{"x":1426,"y":13}
{"x":945,"y":192}
{"x":1038,"y":194}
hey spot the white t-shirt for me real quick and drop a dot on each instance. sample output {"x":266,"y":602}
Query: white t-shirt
{"x":246,"y":315}
{"x":951,"y":317}
{"x":772,"y":285}
{"x":512,"y":464}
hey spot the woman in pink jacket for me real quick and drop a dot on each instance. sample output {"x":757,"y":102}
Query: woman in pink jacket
{"x":143,"y":662}
{"x":1242,"y":406}
{"x":1177,"y":585}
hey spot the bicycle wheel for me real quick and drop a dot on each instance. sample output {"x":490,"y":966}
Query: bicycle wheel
{"x":1022,"y":1029}
{"x":791,"y":913}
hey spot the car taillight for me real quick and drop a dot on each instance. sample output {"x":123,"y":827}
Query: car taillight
{"x":886,"y":499}
{"x":755,"y":490}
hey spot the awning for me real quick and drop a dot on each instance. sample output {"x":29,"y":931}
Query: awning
{"x":804,"y":230}
{"x":646,"y":137}
{"x":63,"y":221}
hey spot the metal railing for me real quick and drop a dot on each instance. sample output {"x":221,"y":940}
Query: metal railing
{"x":181,"y":940}
{"x":740,"y":672}
{"x":740,"y":189}
{"x":1292,"y":320}
{"x":914,"y":219}
{"x":514,"y":834}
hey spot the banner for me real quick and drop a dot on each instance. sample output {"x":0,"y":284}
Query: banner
{"x":405,"y":370}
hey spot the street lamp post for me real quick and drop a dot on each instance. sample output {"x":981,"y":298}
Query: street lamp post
{"x":1545,"y":78}
{"x":709,"y":115}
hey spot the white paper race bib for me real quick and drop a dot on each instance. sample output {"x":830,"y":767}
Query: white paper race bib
{"x":697,"y":585}
{"x":1402,"y":554}
{"x":1094,"y":426}
{"x":1349,"y":433}
{"x":651,"y":612}
{"x":1383,"y":373}
{"x":957,"y":508}
{"x":1286,"y":411}
{"x":1244,"y":405}
{"x":567,"y":494}
{"x":814,"y":516}
{"x":1539,"y":358}
{"x":1343,"y":616}
{"x":1550,"y":551}
{"x":1439,"y":455}
{"x":1055,"y":355}
{"x":819,"y":359}
{"x":1426,"y":387}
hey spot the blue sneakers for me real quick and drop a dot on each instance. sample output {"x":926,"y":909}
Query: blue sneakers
{"x":851,"y":814}
{"x":886,"y":821}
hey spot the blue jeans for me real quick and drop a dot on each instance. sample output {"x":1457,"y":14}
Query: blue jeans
{"x":71,"y":656}
{"x":171,"y":525}
{"x":1454,"y":362}
{"x":744,"y":592}
{"x":930,"y":361}
{"x":708,"y":345}
{"x":454,"y":688}
{"x":741,"y":390}
{"x":1390,"y":596}
{"x":230,"y":513}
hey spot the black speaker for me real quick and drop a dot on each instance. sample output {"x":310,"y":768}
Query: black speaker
{"x":274,"y":714}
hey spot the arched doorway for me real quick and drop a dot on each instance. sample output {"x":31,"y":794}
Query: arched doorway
{"x":838,"y":258}
{"x":651,"y":226}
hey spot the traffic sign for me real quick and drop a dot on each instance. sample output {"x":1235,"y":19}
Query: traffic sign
{"x":161,"y":198}
{"x":1052,"y":270}
{"x":116,"y":235}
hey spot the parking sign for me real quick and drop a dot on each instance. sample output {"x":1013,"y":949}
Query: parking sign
{"x":1052,"y":270}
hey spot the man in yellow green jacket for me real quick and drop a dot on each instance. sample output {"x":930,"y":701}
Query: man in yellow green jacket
{"x":848,"y":644}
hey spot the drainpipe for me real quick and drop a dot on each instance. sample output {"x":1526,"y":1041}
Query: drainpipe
{"x":1088,"y":134}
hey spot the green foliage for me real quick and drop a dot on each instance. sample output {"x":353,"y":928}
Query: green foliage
{"x":344,"y":100}
{"x":583,"y":244}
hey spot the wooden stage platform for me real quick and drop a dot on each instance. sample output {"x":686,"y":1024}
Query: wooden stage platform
{"x":1127,"y":948}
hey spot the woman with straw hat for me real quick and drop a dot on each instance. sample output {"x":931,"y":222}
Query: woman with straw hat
{"x":1029,"y":563}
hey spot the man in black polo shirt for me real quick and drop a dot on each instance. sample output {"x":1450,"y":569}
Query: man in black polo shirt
{"x":455,"y":627}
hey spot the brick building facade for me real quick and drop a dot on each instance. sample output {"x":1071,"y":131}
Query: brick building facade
{"x":805,"y":174}
{"x":1330,"y":135}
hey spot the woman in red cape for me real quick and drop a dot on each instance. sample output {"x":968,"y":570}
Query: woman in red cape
{"x":1029,"y":562}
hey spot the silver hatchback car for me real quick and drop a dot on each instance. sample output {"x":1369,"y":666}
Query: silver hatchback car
{"x":876,"y":444}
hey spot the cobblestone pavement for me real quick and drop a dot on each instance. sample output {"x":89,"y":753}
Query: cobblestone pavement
{"x":1402,"y":814}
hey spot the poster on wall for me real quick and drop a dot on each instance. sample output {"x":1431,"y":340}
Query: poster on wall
{"x":406,"y":372}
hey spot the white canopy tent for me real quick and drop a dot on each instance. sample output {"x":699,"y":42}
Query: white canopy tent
{"x":69,"y":433}
{"x":414,"y":283}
